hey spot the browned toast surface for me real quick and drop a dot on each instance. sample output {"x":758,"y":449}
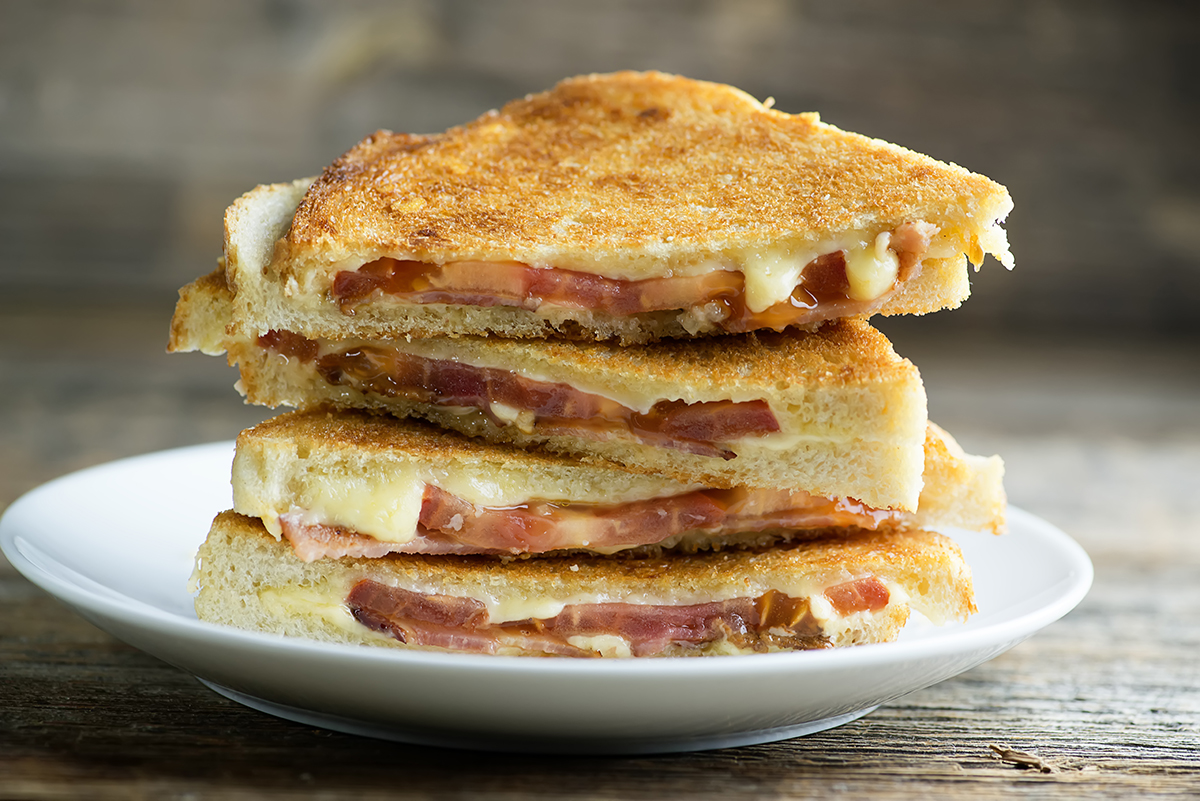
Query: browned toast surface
{"x":627,"y":167}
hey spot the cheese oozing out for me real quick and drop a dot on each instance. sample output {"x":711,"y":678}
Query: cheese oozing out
{"x":772,"y":275}
{"x":872,"y":270}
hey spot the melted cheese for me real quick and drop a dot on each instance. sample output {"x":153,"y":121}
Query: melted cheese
{"x":506,"y":606}
{"x":609,"y":645}
{"x":511,"y":415}
{"x":384,"y":502}
{"x":322,"y":601}
{"x":779,"y":441}
{"x":527,"y":363}
{"x":327,"y":601}
{"x":994,"y":240}
{"x":384,"y":506}
{"x":772,"y":274}
{"x":871,"y":271}
{"x":641,"y":397}
{"x":507,"y":609}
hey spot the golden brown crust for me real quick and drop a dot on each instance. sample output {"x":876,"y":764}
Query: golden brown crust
{"x":608,"y":168}
{"x":374,"y":435}
{"x":202,"y":314}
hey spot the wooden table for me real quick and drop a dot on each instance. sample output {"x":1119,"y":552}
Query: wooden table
{"x":1102,"y":439}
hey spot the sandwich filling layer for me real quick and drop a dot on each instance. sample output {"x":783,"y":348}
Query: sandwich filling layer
{"x":765,"y":290}
{"x":541,"y":407}
{"x":447,"y":523}
{"x":773,"y":621}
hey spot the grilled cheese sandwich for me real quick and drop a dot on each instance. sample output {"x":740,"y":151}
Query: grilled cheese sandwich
{"x":632,"y":206}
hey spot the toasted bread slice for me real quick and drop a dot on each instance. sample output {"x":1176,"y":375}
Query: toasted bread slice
{"x":961,"y":490}
{"x":840,"y":591}
{"x":349,"y":482}
{"x":848,"y":413}
{"x":629,"y":177}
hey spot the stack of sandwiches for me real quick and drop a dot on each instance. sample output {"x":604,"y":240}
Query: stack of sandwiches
{"x":592,"y":376}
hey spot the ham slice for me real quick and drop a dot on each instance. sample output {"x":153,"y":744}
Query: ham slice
{"x":449,"y":524}
{"x":771,"y":621}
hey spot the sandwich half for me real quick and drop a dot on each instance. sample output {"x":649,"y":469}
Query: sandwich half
{"x":632,"y":206}
{"x":349,"y":483}
{"x":835,"y":411}
{"x":848,"y":590}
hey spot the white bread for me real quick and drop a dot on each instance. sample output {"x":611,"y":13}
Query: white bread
{"x":249,"y":580}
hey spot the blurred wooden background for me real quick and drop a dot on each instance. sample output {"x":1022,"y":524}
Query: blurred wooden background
{"x":127,"y":126}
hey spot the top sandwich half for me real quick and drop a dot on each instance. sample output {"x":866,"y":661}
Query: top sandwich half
{"x":633,"y":206}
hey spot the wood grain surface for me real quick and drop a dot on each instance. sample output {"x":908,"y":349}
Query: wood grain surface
{"x":1101,"y":438}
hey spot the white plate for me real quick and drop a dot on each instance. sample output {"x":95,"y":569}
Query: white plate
{"x":116,"y":543}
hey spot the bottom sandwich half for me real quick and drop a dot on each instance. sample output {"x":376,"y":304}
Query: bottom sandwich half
{"x":851,"y":587}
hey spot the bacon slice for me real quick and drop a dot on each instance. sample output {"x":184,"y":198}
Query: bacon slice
{"x":510,"y":283}
{"x":820,"y":295}
{"x":773,"y":620}
{"x":650,"y":631}
{"x":449,"y":524}
{"x":291,"y":345}
{"x":439,"y":620}
{"x":555,"y":408}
